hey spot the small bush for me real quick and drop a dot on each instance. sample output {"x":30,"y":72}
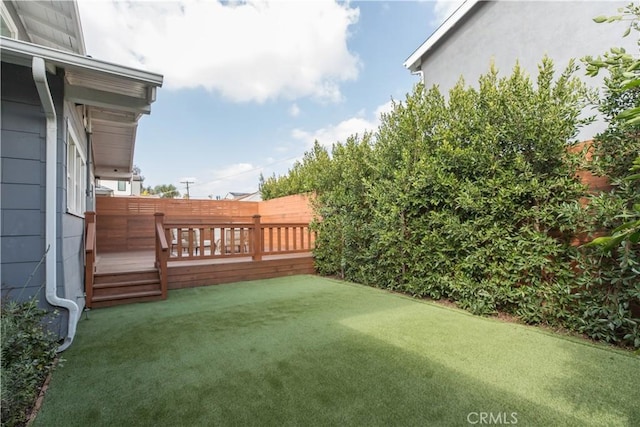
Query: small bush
{"x":28,"y":353}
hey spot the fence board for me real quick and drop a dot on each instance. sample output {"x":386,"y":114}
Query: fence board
{"x":127,"y":223}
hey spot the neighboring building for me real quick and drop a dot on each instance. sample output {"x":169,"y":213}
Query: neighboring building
{"x":244,"y":197}
{"x":121,"y":187}
{"x":504,"y":32}
{"x":67,"y":119}
{"x":103,"y":191}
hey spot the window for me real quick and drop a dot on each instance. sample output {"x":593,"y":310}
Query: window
{"x":76,"y":176}
{"x":122,"y":185}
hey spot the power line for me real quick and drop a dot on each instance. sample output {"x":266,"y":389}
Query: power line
{"x":224,"y":178}
{"x":187,"y":182}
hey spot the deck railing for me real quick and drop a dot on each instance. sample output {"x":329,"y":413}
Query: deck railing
{"x":90,"y":256}
{"x":233,"y":239}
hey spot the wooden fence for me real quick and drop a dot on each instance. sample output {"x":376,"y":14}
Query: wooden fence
{"x":127,"y":223}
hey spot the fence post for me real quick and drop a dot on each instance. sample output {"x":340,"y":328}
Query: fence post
{"x":257,"y":238}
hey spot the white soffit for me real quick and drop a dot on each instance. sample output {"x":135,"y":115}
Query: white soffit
{"x":115,"y":96}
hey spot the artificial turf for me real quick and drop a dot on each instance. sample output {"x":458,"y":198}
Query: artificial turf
{"x":306,"y":350}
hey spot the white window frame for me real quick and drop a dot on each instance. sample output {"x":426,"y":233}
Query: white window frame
{"x":76,"y":175}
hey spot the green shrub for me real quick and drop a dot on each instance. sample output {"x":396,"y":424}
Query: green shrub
{"x":474,"y":197}
{"x":608,"y":294}
{"x":28,"y":353}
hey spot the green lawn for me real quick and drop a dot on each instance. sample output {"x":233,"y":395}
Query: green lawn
{"x":306,"y":350}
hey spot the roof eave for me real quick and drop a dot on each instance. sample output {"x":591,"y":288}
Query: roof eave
{"x":20,"y":50}
{"x":98,"y":85}
{"x":414,"y":62}
{"x":78,"y":29}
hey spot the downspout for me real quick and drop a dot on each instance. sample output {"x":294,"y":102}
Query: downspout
{"x":40,"y":79}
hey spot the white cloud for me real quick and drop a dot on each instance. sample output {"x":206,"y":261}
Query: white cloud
{"x":444,"y":8}
{"x":247,"y":51}
{"x":239,"y":177}
{"x":294,"y":110}
{"x":331,"y":134}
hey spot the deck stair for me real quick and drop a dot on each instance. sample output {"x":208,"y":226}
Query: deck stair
{"x":115,"y":288}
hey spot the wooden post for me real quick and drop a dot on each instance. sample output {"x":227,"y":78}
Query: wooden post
{"x":257,"y":238}
{"x":162,"y":252}
{"x":90,"y":256}
{"x":159,"y":224}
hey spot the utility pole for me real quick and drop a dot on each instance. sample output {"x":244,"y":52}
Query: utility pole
{"x":187,"y":182}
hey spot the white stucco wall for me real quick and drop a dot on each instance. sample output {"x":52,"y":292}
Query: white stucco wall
{"x":524,"y":31}
{"x":113,"y":184}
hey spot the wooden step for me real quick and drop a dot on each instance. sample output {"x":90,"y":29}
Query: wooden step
{"x":130,"y":276}
{"x":117,"y":288}
{"x":126,"y":298}
{"x":125,"y":288}
{"x":126,"y":284}
{"x":127,"y":295}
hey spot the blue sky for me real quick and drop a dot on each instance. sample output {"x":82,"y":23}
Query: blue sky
{"x":250,"y":85}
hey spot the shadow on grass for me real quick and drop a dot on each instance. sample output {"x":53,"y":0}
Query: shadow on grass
{"x":307,"y":351}
{"x":600,"y":382}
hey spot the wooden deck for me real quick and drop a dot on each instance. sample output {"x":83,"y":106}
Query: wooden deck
{"x":192,"y":273}
{"x":191,"y":252}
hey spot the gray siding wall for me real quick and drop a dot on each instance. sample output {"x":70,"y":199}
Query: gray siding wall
{"x":524,"y":31}
{"x":22,"y":204}
{"x":23,"y":184}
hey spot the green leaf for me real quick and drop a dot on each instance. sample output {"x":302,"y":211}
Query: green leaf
{"x":599,"y":241}
{"x":629,"y":113}
{"x":633,"y":121}
{"x":600,"y":19}
{"x":630,"y":84}
{"x":626,"y":33}
{"x":624,"y":226}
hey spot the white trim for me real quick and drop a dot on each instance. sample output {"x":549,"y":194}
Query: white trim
{"x":6,"y":17}
{"x":76,"y":140}
{"x":78,"y":29}
{"x":21,"y":52}
{"x":414,"y":61}
{"x":76,"y":174}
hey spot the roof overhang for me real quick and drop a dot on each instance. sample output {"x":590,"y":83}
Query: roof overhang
{"x":115,"y":96}
{"x":414,"y":62}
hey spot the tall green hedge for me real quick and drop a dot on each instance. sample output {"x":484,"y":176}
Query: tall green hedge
{"x":473,"y":197}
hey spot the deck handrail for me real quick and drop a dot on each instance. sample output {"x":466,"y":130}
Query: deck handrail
{"x":202,"y":239}
{"x":90,"y":256}
{"x":162,"y":253}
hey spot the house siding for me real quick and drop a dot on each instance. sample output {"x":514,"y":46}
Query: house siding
{"x":505,"y":32}
{"x":22,"y":203}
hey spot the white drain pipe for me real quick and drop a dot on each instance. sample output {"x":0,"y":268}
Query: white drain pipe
{"x":40,"y":79}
